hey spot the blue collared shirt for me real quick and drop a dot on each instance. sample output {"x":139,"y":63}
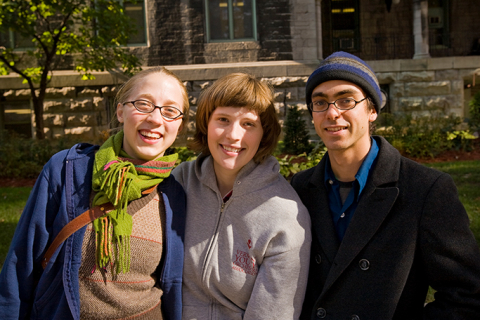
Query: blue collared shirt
{"x":342,"y":213}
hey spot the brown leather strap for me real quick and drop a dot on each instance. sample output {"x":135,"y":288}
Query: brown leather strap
{"x":79,"y":222}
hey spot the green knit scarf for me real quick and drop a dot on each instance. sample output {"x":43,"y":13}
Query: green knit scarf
{"x":120,"y":180}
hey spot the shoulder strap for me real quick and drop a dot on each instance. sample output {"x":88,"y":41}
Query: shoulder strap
{"x":78,"y":223}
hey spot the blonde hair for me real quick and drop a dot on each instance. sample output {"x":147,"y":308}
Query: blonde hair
{"x":238,"y":90}
{"x":127,"y":88}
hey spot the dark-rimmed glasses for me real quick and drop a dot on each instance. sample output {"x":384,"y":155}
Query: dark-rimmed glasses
{"x":168,"y":112}
{"x":340,"y":104}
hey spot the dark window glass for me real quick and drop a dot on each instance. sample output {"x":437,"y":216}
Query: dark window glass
{"x":230,"y":19}
{"x":16,"y":41}
{"x":218,"y":13}
{"x":137,"y":13}
{"x":345,"y":28}
{"x":242,"y":19}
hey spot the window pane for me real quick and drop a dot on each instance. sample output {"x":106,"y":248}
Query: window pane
{"x":242,"y":19}
{"x":23,"y":42}
{"x":218,"y":16}
{"x":137,"y":13}
{"x":15,"y":40}
{"x":18,"y":116}
{"x":343,"y":15}
{"x":4,"y":40}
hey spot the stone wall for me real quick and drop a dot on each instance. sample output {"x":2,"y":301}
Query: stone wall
{"x":414,"y":86}
{"x":82,"y":112}
{"x":425,"y":85}
{"x":305,"y":30}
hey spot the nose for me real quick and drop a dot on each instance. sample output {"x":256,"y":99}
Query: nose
{"x":156,"y":117}
{"x":234,"y":131}
{"x":332,"y":112}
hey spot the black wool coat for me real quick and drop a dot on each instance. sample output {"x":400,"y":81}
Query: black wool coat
{"x":409,"y":231}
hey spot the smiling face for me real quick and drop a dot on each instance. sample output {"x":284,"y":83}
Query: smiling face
{"x":343,"y":131}
{"x":234,"y":135}
{"x":148,"y":135}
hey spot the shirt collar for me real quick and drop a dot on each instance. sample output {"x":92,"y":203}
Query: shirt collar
{"x":362,"y":173}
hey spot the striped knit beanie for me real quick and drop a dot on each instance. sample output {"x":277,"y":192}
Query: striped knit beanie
{"x":345,"y":66}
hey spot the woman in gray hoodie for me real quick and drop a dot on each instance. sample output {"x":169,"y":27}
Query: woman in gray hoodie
{"x":248,"y":235}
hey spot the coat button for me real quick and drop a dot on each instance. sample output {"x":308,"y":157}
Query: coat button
{"x":364,"y":264}
{"x":318,"y":258}
{"x":321,"y":313}
{"x":355,"y":317}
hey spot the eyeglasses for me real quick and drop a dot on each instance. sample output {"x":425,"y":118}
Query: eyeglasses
{"x":168,"y":112}
{"x":340,"y":104}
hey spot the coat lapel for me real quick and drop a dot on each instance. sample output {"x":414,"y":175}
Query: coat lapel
{"x":370,"y":214}
{"x":322,"y":223}
{"x":374,"y":207}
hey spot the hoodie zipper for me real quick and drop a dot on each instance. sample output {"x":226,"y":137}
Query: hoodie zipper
{"x":212,"y":243}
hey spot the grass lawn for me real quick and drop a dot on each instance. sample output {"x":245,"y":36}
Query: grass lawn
{"x":12,"y":201}
{"x":466,"y":175}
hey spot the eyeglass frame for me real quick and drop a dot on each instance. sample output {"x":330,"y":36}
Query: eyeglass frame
{"x":155,"y":107}
{"x":310,"y":105}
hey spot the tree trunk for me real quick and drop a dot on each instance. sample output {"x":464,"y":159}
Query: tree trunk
{"x":38,"y":109}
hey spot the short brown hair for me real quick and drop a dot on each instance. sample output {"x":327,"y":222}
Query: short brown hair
{"x":238,"y":90}
{"x":128,"y":86}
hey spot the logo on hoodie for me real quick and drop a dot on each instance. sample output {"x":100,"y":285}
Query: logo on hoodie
{"x":245,"y":263}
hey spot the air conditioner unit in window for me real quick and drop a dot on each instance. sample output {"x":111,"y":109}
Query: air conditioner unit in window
{"x":347,"y":43}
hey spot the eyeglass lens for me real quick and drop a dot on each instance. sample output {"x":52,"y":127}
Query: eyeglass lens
{"x":342,"y":104}
{"x":148,"y":107}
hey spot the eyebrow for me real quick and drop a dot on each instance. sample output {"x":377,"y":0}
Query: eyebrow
{"x":337,"y":94}
{"x":149,"y":97}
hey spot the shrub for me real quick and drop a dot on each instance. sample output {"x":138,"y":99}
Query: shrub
{"x":184,"y":154}
{"x":22,"y":157}
{"x":425,"y":136}
{"x":289,"y":165}
{"x":296,"y":136}
{"x":474,"y":121}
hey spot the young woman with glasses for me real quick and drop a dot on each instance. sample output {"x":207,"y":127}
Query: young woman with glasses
{"x":128,"y":261}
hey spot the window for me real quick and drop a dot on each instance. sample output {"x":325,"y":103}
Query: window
{"x":438,"y":24}
{"x":345,"y":21}
{"x":17,"y":116}
{"x":136,"y":11}
{"x":15,"y":40}
{"x":230,"y":20}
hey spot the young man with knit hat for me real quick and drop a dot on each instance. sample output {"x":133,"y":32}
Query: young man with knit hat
{"x":384,"y":228}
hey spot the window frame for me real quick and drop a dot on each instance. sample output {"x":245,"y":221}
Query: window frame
{"x":139,"y":44}
{"x":230,"y":24}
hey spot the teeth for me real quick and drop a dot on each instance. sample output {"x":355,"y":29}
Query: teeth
{"x":231,"y":149}
{"x":336,"y":129}
{"x":150,"y":134}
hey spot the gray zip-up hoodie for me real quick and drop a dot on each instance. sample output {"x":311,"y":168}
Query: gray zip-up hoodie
{"x":247,"y":258}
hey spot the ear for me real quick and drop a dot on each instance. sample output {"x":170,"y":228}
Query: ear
{"x":373,"y":115}
{"x":120,"y":112}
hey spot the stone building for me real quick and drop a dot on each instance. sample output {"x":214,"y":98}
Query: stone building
{"x":426,"y":54}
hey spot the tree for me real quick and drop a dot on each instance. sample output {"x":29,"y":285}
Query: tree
{"x":90,"y":32}
{"x":296,"y":134}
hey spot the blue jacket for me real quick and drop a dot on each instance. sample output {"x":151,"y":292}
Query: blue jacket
{"x":61,"y":193}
